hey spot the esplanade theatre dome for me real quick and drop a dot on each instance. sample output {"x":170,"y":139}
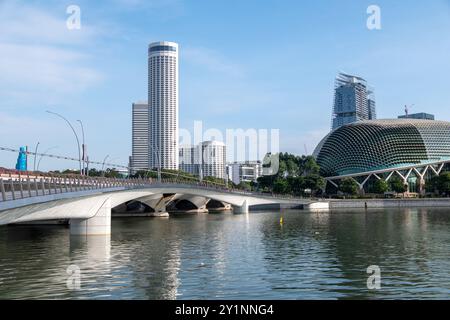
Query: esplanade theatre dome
{"x":382,"y":144}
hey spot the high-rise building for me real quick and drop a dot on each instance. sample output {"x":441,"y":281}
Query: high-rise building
{"x":208,"y":159}
{"x":353,"y":100}
{"x":214,"y":159}
{"x":189,"y":159}
{"x":140,"y":134}
{"x":163,"y":104}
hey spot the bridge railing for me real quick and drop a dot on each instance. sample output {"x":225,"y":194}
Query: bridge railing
{"x":18,"y":185}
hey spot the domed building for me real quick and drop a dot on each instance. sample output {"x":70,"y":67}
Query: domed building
{"x":408,"y":147}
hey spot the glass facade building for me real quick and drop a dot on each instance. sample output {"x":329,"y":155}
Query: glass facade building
{"x":353,"y":101}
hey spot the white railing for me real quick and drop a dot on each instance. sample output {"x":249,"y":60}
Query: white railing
{"x":16,"y":185}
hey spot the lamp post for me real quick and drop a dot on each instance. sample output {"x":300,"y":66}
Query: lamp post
{"x":103,"y":165}
{"x":74,"y":132}
{"x":159,"y":162}
{"x":83,"y":149}
{"x":35,"y":154}
{"x":42,"y":155}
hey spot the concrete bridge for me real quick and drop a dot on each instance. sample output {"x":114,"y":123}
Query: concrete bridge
{"x":87,"y":202}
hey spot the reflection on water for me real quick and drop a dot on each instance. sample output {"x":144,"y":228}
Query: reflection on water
{"x":310,"y":255}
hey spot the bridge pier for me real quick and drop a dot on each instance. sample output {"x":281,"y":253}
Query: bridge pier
{"x":99,"y":224}
{"x":241,"y":209}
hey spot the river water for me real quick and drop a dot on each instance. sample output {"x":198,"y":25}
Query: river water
{"x":226,"y":256}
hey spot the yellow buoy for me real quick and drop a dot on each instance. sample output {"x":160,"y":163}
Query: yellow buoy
{"x":281,"y":220}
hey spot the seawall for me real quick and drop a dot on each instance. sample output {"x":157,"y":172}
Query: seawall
{"x":389,"y":203}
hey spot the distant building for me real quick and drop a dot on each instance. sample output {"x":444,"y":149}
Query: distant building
{"x":353,"y":101}
{"x":214,"y":159}
{"x":208,"y":159}
{"x":420,"y":115}
{"x":139,"y":141}
{"x":412,"y":150}
{"x":247,"y":171}
{"x":189,"y":160}
{"x":163,"y":104}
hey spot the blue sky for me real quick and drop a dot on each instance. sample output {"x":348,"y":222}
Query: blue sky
{"x":243,"y":64}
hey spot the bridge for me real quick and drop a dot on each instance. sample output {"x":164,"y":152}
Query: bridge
{"x":86,"y":202}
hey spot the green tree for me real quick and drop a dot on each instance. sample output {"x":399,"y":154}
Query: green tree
{"x":443,"y":183}
{"x":295,"y":185}
{"x":397,"y":185}
{"x":281,"y":186}
{"x":300,"y":173}
{"x":310,"y":165}
{"x":244,"y":186}
{"x":112,"y":173}
{"x":349,"y":186}
{"x":380,"y":186}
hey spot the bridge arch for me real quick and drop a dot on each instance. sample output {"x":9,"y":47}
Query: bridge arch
{"x":90,"y":213}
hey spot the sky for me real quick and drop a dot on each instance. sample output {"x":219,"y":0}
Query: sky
{"x":243,"y":64}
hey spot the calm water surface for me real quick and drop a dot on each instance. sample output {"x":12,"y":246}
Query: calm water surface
{"x":226,"y":256}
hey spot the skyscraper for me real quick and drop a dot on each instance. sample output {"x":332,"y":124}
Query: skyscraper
{"x":140,"y":134}
{"x":353,"y":100}
{"x":163,"y":105}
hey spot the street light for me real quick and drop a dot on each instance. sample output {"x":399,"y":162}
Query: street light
{"x":103,"y":165}
{"x":74,"y":132}
{"x":104,"y":162}
{"x":83,"y":148}
{"x":42,"y":155}
{"x":159,"y":162}
{"x":35,"y":154}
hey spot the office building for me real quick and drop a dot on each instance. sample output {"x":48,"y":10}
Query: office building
{"x":247,"y":171}
{"x":353,"y":101}
{"x":140,"y":134}
{"x":163,"y":104}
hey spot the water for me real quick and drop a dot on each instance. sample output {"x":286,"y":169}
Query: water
{"x":226,"y":256}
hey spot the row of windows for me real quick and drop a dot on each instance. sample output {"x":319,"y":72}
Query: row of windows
{"x":162,"y":48}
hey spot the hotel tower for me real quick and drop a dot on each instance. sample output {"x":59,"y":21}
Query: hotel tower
{"x":163,"y":105}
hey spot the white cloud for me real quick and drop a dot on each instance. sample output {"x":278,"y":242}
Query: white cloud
{"x":212,"y":61}
{"x":22,"y":23}
{"x":41,"y":58}
{"x":293,"y":143}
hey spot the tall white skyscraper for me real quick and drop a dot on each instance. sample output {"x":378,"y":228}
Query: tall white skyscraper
{"x":140,"y":128}
{"x":163,"y":104}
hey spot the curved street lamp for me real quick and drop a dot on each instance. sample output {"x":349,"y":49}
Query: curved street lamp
{"x":35,"y":154}
{"x":83,"y":148}
{"x":103,"y":165}
{"x":42,"y":155}
{"x":104,"y":162}
{"x":74,"y":132}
